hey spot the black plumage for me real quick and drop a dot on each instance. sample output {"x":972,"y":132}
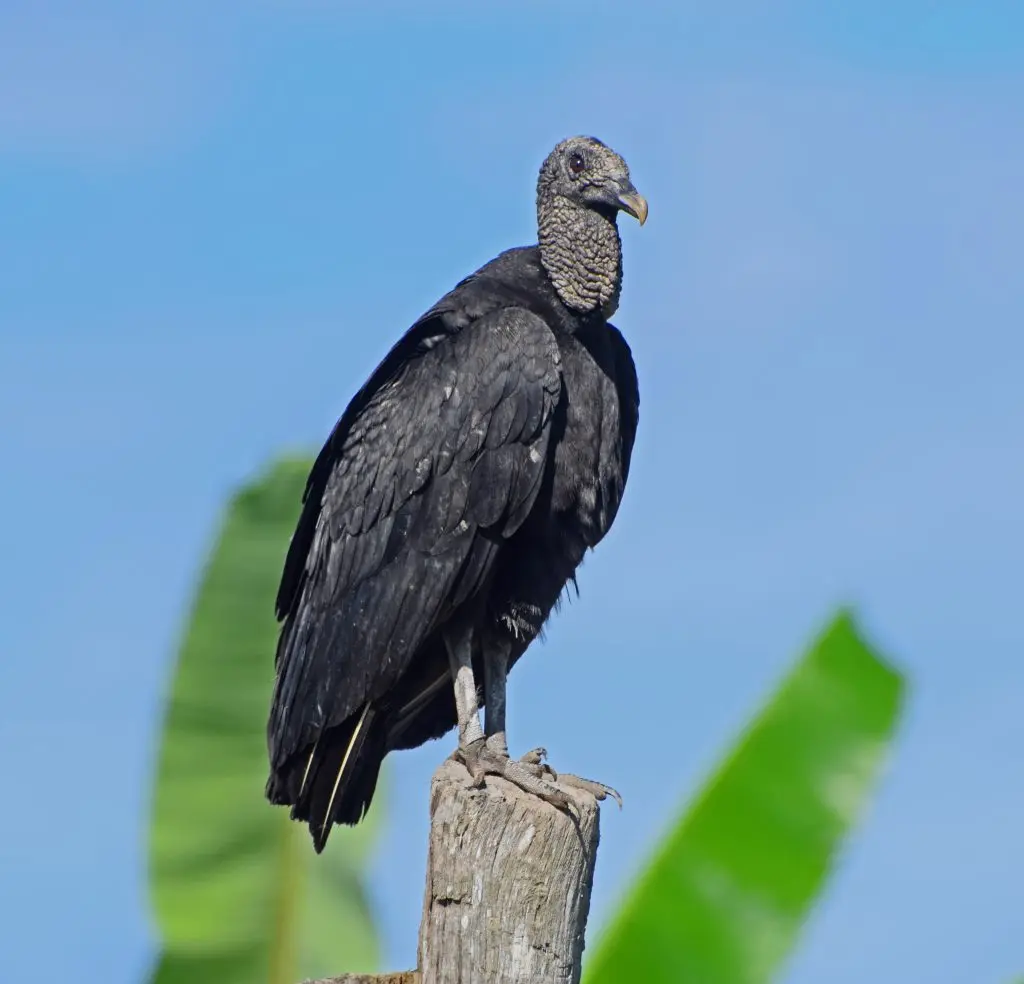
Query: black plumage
{"x":456,"y":497}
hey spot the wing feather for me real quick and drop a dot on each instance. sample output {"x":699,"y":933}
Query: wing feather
{"x":627,"y":387}
{"x":434,"y":462}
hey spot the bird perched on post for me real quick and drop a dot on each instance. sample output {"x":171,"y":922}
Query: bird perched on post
{"x":452,"y":504}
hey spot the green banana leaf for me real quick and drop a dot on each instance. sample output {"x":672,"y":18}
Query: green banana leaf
{"x":238,"y":893}
{"x":724,"y":897}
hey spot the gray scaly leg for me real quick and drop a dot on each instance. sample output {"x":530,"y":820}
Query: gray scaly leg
{"x":480,"y":757}
{"x":460,"y":657}
{"x":496,"y":679}
{"x":488,"y":755}
{"x":529,"y":772}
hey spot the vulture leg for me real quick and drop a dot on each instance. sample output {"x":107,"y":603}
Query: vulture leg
{"x":480,"y":756}
{"x":496,"y":676}
{"x":459,"y":643}
{"x":495,"y":679}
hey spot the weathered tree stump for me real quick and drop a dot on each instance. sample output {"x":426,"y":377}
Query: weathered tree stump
{"x":405,"y":977}
{"x":508,"y":886}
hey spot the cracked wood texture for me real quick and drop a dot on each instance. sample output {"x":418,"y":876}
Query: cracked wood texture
{"x":508,"y":884}
{"x":406,"y":977}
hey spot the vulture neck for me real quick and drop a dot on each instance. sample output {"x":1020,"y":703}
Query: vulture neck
{"x":582,"y":254}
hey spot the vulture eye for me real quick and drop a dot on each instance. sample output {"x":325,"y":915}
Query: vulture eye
{"x":576,"y":163}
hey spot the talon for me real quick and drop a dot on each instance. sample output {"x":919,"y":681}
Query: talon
{"x":484,"y":757}
{"x":526,"y":780}
{"x":535,"y":756}
{"x":596,"y":789}
{"x":489,"y":757}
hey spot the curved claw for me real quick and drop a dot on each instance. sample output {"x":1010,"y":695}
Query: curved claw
{"x":596,"y":789}
{"x":535,"y":756}
{"x":534,"y":761}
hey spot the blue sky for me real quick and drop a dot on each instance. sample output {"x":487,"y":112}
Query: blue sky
{"x":213,"y":221}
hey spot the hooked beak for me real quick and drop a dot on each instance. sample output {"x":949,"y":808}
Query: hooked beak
{"x":630,"y":200}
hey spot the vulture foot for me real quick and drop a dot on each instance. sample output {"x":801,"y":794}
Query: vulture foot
{"x":490,"y":757}
{"x":484,"y":757}
{"x":534,"y":760}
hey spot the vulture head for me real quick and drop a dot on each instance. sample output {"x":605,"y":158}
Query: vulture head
{"x":589,"y":174}
{"x":583,"y":185}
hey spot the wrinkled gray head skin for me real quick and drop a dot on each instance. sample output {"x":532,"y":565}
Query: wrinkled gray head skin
{"x":583,"y":185}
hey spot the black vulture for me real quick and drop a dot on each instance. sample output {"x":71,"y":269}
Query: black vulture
{"x":451,"y":506}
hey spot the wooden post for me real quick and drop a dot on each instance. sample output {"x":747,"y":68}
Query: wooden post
{"x":508,"y":886}
{"x":405,"y":977}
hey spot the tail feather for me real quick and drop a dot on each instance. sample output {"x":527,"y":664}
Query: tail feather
{"x":333,"y":780}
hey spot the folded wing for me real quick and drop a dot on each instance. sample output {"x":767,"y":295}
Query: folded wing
{"x":437,"y":460}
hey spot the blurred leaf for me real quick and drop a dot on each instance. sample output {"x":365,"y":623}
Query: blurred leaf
{"x":239,"y":895}
{"x":723,"y":900}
